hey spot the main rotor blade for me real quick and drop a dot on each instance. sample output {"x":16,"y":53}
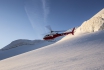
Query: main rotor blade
{"x":51,"y":31}
{"x":48,"y":27}
{"x":60,"y":31}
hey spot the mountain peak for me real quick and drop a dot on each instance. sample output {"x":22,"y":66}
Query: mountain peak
{"x":95,"y":23}
{"x":100,"y":14}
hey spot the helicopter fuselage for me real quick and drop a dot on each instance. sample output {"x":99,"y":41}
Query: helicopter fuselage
{"x":53,"y":36}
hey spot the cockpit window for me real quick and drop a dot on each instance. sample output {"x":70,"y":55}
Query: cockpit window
{"x":46,"y":35}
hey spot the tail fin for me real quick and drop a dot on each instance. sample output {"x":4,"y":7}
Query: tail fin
{"x":73,"y":31}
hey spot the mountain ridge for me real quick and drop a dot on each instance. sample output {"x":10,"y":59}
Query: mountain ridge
{"x":20,"y":42}
{"x":93,"y":24}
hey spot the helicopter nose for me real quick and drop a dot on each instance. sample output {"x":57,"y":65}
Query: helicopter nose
{"x":44,"y":38}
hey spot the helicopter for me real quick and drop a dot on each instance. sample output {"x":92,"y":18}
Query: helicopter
{"x":55,"y":34}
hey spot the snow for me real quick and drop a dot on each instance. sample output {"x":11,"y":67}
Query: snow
{"x":94,"y":24}
{"x":100,"y":14}
{"x":21,"y":46}
{"x":82,"y":51}
{"x":20,"y":42}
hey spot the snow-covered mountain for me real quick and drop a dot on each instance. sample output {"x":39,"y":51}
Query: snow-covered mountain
{"x":20,"y":42}
{"x":82,"y":51}
{"x":21,"y":46}
{"x":96,"y":23}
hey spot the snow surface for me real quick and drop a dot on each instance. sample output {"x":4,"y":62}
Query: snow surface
{"x":82,"y":51}
{"x":21,"y":46}
{"x":78,"y":52}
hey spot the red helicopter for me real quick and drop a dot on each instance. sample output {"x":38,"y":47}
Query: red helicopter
{"x":55,"y":34}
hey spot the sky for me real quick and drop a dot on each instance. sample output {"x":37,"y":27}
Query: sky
{"x":27,"y":19}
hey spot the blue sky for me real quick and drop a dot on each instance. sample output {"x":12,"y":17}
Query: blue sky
{"x":26,"y":19}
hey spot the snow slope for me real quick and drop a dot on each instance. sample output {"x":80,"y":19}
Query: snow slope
{"x":78,"y":52}
{"x":21,"y":46}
